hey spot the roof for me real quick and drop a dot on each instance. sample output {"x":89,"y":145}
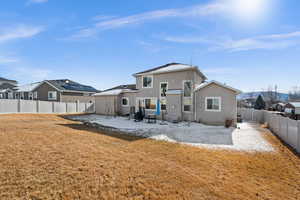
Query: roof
{"x":27,"y":87}
{"x":4,"y":79}
{"x":115,"y":92}
{"x":205,"y":84}
{"x":171,"y":67}
{"x":71,"y":86}
{"x":129,"y":86}
{"x":6,"y":86}
{"x":295,"y":104}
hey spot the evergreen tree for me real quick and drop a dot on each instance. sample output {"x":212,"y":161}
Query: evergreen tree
{"x":260,"y":104}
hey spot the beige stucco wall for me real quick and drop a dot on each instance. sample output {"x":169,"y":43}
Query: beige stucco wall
{"x":107,"y":105}
{"x":175,"y":81}
{"x":125,"y":110}
{"x":228,"y":105}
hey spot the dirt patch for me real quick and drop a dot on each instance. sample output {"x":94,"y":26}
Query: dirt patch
{"x":48,"y":157}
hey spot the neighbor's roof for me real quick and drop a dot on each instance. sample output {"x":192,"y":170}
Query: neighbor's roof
{"x":171,"y":67}
{"x":114,"y":92}
{"x":6,"y":86}
{"x":28,"y":87}
{"x":205,"y":84}
{"x":68,"y":85}
{"x":129,"y":86}
{"x":295,"y":104}
{"x":4,"y":79}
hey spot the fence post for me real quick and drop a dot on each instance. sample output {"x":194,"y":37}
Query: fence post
{"x":19,"y":105}
{"x":66,"y":107}
{"x":287,"y":130}
{"x":37,"y":106}
{"x":298,"y":137}
{"x":53,"y":110}
{"x":77,"y":106}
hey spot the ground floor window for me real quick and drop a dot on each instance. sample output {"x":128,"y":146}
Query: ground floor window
{"x":187,"y":104}
{"x":147,"y":103}
{"x":52,"y":95}
{"x":125,"y":101}
{"x":213,"y":104}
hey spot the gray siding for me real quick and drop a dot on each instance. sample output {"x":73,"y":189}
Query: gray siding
{"x":43,"y":90}
{"x":228,"y":105}
{"x":107,"y":105}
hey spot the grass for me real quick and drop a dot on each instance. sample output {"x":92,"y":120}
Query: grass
{"x":49,"y":157}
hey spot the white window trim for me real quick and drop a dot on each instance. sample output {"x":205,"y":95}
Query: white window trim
{"x":55,"y":95}
{"x":143,"y":102}
{"x":127,"y":101}
{"x":151,"y":81}
{"x":191,"y":97}
{"x":213,"y":110}
{"x":160,"y":88}
{"x":184,"y":81}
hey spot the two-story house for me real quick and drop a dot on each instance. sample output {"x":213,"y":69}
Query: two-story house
{"x":180,"y":91}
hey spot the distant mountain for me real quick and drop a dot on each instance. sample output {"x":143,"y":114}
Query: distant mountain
{"x":254,"y":95}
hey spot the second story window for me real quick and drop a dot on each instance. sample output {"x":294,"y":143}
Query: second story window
{"x":147,"y":81}
{"x":187,"y":88}
{"x":163,"y":89}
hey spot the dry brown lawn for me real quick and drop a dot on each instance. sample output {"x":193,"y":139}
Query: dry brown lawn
{"x":48,"y":157}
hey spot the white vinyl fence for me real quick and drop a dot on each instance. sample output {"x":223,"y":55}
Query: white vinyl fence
{"x":26,"y":106}
{"x":287,"y":129}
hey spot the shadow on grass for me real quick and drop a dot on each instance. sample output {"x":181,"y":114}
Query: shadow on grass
{"x":110,"y":133}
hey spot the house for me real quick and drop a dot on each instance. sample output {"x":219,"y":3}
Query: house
{"x":292,"y":109}
{"x":6,"y":88}
{"x":63,"y":90}
{"x":174,"y":91}
{"x":26,"y":92}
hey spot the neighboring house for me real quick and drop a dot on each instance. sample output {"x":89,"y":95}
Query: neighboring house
{"x":293,"y":110}
{"x":6,"y":88}
{"x":26,"y":92}
{"x":182,"y":93}
{"x":63,"y":90}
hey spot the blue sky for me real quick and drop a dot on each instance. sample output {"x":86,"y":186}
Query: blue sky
{"x":250,"y":45}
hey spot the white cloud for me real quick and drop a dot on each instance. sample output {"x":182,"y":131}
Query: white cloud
{"x":193,"y":11}
{"x":267,"y":42}
{"x":36,"y":1}
{"x":18,"y":32}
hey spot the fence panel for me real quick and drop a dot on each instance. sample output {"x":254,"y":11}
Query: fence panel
{"x":45,"y":107}
{"x":81,"y":107}
{"x":60,"y":107}
{"x":28,"y":106}
{"x":292,"y":133}
{"x":9,"y":106}
{"x":71,"y":107}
